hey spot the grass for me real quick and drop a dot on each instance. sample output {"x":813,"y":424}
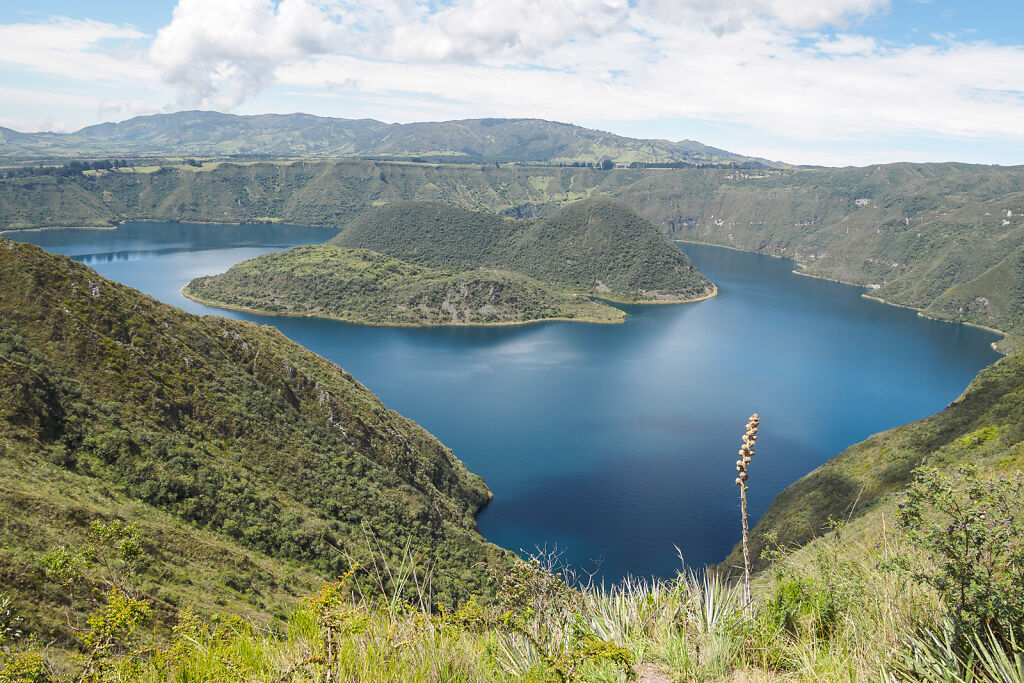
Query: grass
{"x":825,"y":613}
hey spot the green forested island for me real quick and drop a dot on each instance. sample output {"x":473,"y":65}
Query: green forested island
{"x":359,"y":285}
{"x":424,"y":263}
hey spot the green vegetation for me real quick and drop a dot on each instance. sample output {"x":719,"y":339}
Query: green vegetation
{"x":250,"y":467}
{"x":364,"y":286}
{"x":969,"y":532}
{"x":207,"y":133}
{"x":424,"y":263}
{"x":596,"y":247}
{"x":156,"y":461}
{"x":839,"y":610}
{"x":164,"y":472}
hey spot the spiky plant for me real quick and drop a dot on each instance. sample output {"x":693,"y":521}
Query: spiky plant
{"x":746,"y":453}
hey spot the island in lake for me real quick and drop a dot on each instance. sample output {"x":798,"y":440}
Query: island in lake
{"x":426,"y":263}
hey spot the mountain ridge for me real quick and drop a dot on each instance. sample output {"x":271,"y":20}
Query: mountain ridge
{"x":907,"y":232}
{"x":205,"y":133}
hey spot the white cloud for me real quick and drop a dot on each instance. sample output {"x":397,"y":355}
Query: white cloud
{"x":70,"y":48}
{"x":727,"y":16}
{"x":518,"y":29}
{"x":754,"y":76}
{"x":790,"y":69}
{"x":219,"y":53}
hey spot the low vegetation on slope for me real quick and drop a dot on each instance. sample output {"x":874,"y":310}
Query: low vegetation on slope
{"x":838,"y":610}
{"x":251,"y":467}
{"x":911,"y":232}
{"x":364,"y":286}
{"x":163,"y":471}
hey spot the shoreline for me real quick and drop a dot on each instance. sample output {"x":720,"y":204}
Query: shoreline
{"x":725,"y":246}
{"x":506,"y":323}
{"x":799,"y":270}
{"x":920,"y":311}
{"x":657,"y":302}
{"x":158,"y":220}
{"x":59,"y":227}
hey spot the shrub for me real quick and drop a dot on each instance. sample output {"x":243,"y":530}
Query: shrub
{"x":969,"y":546}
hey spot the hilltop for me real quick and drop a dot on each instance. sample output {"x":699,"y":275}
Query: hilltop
{"x":211,"y":133}
{"x":597,"y":246}
{"x":252,"y":467}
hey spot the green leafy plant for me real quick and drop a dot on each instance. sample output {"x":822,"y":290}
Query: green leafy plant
{"x":968,"y":538}
{"x":111,"y":627}
{"x":9,"y":621}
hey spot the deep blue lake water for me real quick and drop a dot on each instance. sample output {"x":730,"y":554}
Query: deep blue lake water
{"x":614,"y":443}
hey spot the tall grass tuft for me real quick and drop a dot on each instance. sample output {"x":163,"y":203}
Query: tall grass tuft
{"x":746,"y":453}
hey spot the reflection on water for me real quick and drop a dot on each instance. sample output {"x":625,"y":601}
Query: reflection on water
{"x":615,"y":442}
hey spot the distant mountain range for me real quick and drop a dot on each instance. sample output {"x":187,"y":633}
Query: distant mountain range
{"x":210,"y":133}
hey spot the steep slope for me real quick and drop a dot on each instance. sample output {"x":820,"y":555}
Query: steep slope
{"x":229,"y":444}
{"x":601,"y":246}
{"x":910,"y":232}
{"x":430,"y":233}
{"x":302,"y":135}
{"x":596,"y":246}
{"x":364,"y":286}
{"x":984,"y":426}
{"x":993,"y":299}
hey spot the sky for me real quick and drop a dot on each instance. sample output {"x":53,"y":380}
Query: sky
{"x":832,"y":82}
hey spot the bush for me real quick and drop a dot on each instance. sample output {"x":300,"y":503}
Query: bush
{"x":968,"y":545}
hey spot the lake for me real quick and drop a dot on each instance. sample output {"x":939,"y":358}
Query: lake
{"x":614,"y":444}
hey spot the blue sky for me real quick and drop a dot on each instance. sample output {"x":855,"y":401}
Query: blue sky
{"x":830,"y":82}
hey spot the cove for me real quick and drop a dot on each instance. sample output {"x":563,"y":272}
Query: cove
{"x":614,"y":443}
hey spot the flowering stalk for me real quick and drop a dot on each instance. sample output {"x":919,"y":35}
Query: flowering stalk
{"x":746,"y":452}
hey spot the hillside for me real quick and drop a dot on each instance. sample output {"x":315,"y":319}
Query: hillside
{"x":993,"y":299}
{"x":363,"y":286}
{"x":596,"y":246}
{"x":210,"y":133}
{"x":252,"y":467}
{"x":984,"y":426}
{"x":911,"y":232}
